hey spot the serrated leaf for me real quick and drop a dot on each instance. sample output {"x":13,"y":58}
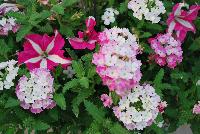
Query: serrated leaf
{"x":67,"y":3}
{"x":195,"y":45}
{"x":84,"y":82}
{"x":11,"y":102}
{"x":78,"y":68}
{"x":158,"y":81}
{"x":39,"y":125}
{"x":71,"y":84}
{"x":118,"y":129}
{"x":96,"y":113}
{"x":58,"y":9}
{"x":60,"y":101}
{"x":25,"y":29}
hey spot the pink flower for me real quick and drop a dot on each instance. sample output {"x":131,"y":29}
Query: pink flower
{"x":6,"y":7}
{"x":43,"y":52}
{"x":196,"y":109}
{"x":167,"y":50}
{"x":44,"y":2}
{"x":107,"y":100}
{"x":162,"y":106}
{"x":182,"y":21}
{"x":86,"y":39}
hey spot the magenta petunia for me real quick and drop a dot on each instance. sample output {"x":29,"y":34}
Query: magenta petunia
{"x":43,"y":52}
{"x":181,"y":21}
{"x":86,"y":39}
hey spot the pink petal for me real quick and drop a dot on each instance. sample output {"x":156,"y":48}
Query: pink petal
{"x":35,"y":41}
{"x":193,"y":12}
{"x":177,"y":9}
{"x":77,"y":43}
{"x":186,"y":24}
{"x":43,"y":63}
{"x":90,"y":23}
{"x":58,"y":59}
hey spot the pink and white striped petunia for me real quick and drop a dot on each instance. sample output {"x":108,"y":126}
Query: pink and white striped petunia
{"x":181,"y":21}
{"x":43,"y":52}
{"x":86,"y":39}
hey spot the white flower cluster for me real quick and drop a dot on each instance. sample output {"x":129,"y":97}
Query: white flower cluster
{"x":109,"y":16}
{"x":139,"y":108}
{"x":151,"y":9}
{"x":8,"y":72}
{"x":36,"y":92}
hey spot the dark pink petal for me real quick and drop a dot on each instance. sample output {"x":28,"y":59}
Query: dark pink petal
{"x":46,"y":41}
{"x":193,"y":12}
{"x":90,"y":23}
{"x":77,"y":43}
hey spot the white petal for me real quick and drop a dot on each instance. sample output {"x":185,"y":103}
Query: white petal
{"x":36,"y":47}
{"x":51,"y":44}
{"x":171,"y":27}
{"x":43,"y":63}
{"x":178,"y":10}
{"x":58,"y":59}
{"x":185,"y":23}
{"x":34,"y":60}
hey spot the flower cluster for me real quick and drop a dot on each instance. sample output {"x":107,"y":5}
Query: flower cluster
{"x":8,"y":23}
{"x":107,"y":100}
{"x":109,"y":16}
{"x":116,"y":60}
{"x":196,"y":109}
{"x":181,"y":21}
{"x":43,"y":52}
{"x":139,"y":108}
{"x":36,"y":93}
{"x":167,"y":50}
{"x":151,"y":9}
{"x":86,"y":39}
{"x":7,"y":77}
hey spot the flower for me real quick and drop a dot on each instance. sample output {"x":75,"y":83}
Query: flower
{"x":116,"y":60}
{"x":86,"y":39}
{"x":107,"y":100}
{"x":162,"y":106}
{"x":198,"y":83}
{"x":70,"y":72}
{"x":109,"y":16}
{"x":43,"y":52}
{"x":151,"y":9}
{"x":8,"y":23}
{"x":43,"y":2}
{"x":139,"y":108}
{"x":167,"y":50}
{"x":196,"y":109}
{"x":6,"y":80}
{"x":7,"y":7}
{"x":36,"y":93}
{"x":182,"y":21}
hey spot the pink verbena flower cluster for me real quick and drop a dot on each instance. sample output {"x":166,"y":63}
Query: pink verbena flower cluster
{"x":167,"y":50}
{"x":36,"y":93}
{"x":181,"y":21}
{"x":107,"y":100}
{"x":196,"y":109}
{"x":139,"y":108}
{"x":8,"y":23}
{"x":116,"y":60}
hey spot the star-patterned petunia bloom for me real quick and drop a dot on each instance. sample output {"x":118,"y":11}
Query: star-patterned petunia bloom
{"x":86,"y":39}
{"x":43,"y":52}
{"x":181,"y":21}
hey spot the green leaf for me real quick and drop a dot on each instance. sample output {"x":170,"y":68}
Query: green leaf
{"x":96,"y":113}
{"x":158,"y":81}
{"x":39,"y":125}
{"x":82,"y":95}
{"x":84,"y":82}
{"x":25,"y":29}
{"x":71,"y":84}
{"x":195,"y":45}
{"x":118,"y":129}
{"x":12,"y":103}
{"x":78,"y":68}
{"x":58,"y":9}
{"x":67,"y":3}
{"x":60,"y":101}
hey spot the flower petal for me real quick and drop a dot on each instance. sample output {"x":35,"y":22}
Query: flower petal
{"x":185,"y":23}
{"x":51,"y":44}
{"x":171,"y":27}
{"x":33,"y":60}
{"x":58,"y":59}
{"x":177,"y":9}
{"x":43,"y":63}
{"x":77,"y":43}
{"x":36,"y":47}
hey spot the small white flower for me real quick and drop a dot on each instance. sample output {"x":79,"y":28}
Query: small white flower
{"x":109,"y":16}
{"x":198,"y":83}
{"x":69,"y":72}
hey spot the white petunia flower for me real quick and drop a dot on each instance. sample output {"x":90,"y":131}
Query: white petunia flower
{"x":109,"y":16}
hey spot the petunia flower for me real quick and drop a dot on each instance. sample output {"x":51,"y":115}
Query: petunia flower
{"x":86,"y":39}
{"x":182,"y":21}
{"x":43,"y":52}
{"x":6,"y":7}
